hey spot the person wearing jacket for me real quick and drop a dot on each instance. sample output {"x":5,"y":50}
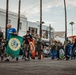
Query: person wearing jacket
{"x":26,"y":38}
{"x":73,"y":48}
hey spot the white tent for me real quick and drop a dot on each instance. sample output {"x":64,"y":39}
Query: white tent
{"x":61,"y":39}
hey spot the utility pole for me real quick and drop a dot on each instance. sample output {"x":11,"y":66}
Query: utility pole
{"x":18,"y":16}
{"x":40,"y":18}
{"x":7,"y":2}
{"x":65,"y":19}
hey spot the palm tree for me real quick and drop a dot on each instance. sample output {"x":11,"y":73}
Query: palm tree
{"x":40,"y":18}
{"x":19,"y":15}
{"x":71,"y":23}
{"x":65,"y":19}
{"x":7,"y":4}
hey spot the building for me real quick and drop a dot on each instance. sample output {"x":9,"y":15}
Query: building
{"x":59,"y":33}
{"x":13,"y":18}
{"x":33,"y":27}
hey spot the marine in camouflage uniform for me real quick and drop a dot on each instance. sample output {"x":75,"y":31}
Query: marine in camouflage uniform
{"x":53,"y":47}
{"x":66,"y":48}
{"x":38,"y":46}
{"x":27,"y":37}
{"x":36,"y":43}
{"x":57,"y":48}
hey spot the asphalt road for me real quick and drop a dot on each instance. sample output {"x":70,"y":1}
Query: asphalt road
{"x":38,"y":67}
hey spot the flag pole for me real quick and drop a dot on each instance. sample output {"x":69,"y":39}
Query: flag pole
{"x":7,"y":2}
{"x":18,"y":16}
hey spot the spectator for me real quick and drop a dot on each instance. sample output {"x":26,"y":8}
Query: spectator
{"x":73,"y":50}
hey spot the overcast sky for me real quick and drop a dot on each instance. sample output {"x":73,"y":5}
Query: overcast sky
{"x":53,"y":12}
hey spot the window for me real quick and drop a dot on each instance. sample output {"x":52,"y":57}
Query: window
{"x":33,"y":31}
{"x":9,"y":21}
{"x":45,"y":34}
{"x":20,"y":26}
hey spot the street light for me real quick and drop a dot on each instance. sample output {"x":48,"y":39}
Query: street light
{"x":71,"y":23}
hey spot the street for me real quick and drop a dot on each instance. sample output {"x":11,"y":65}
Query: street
{"x":38,"y":67}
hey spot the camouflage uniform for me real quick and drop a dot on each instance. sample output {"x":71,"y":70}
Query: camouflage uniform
{"x":57,"y":48}
{"x":66,"y":49}
{"x":38,"y":46}
{"x":53,"y":47}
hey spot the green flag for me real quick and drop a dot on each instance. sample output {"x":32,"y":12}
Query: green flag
{"x":14,"y":44}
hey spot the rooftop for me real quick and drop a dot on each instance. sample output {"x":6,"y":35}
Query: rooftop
{"x":59,"y":33}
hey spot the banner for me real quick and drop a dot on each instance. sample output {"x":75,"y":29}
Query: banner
{"x":14,"y":45}
{"x":32,"y":48}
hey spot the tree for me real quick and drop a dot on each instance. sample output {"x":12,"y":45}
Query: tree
{"x":40,"y":18}
{"x":19,"y":15}
{"x":7,"y":4}
{"x":65,"y":19}
{"x":72,"y":23}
